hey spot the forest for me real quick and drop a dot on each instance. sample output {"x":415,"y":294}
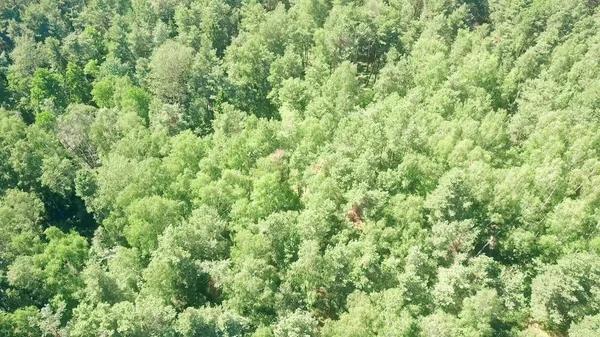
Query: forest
{"x":299,"y":168}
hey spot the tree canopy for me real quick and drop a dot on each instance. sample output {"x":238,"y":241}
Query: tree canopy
{"x":300,"y":168}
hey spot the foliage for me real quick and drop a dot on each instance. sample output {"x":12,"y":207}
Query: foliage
{"x":300,"y":168}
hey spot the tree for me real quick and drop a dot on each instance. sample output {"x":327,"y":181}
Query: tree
{"x":147,"y":218}
{"x":21,"y":322}
{"x":566,"y":292}
{"x":588,"y":326}
{"x":176,"y":272}
{"x":74,"y":133}
{"x":47,"y":90}
{"x":78,"y":88}
{"x":170,"y":66}
{"x":12,"y":128}
{"x":137,"y":100}
{"x":21,"y":214}
{"x":53,"y":273}
{"x":296,"y":324}
{"x":27,"y":56}
{"x":213,"y":322}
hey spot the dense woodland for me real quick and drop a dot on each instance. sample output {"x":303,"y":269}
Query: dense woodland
{"x":300,"y":168}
